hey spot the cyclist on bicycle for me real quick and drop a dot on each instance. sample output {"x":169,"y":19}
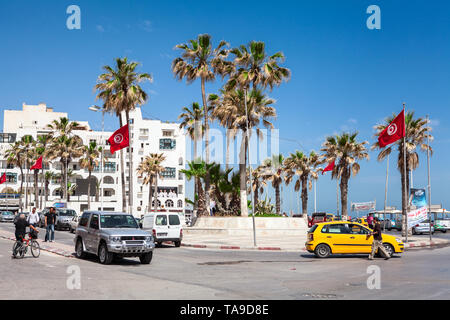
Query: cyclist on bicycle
{"x":21,"y":225}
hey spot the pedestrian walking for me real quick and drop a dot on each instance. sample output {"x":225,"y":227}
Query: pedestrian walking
{"x":377,"y":243}
{"x":50,"y":220}
{"x":33,"y":219}
{"x":370,"y":220}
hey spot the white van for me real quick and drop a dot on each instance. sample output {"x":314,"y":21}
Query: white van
{"x":165,"y":226}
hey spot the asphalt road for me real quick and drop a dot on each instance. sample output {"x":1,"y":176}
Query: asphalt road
{"x":183,"y":273}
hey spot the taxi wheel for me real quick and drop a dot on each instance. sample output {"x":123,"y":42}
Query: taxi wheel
{"x":389,"y":248}
{"x":322,"y":250}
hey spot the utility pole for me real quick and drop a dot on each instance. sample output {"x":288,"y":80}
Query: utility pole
{"x":429,"y":181}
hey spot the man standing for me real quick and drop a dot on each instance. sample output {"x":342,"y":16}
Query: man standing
{"x":33,"y":217}
{"x":377,"y":240}
{"x":50,"y":220}
{"x":370,"y":220}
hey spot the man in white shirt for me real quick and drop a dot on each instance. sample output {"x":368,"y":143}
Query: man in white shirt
{"x":33,"y":217}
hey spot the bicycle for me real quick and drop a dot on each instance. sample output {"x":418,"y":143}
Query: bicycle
{"x":20,"y":248}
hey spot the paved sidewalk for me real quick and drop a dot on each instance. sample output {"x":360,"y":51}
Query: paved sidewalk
{"x":284,"y":243}
{"x":54,"y":247}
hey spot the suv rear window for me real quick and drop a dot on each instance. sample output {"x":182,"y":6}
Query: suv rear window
{"x":174,"y":220}
{"x":84,"y":219}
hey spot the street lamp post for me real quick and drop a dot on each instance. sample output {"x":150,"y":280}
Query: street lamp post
{"x":96,"y":109}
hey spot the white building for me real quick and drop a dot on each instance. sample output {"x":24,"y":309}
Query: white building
{"x":146,"y":136}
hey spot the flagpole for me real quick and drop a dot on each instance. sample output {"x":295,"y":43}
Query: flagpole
{"x":405,"y":198}
{"x":429,"y":181}
{"x":315,"y":196}
{"x":385,"y":192}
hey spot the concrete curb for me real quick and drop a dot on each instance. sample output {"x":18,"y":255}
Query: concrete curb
{"x":417,"y":244}
{"x":228,"y":247}
{"x":59,"y":252}
{"x":426,"y":244}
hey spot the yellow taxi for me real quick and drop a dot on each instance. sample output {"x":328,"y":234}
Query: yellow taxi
{"x":363,"y":221}
{"x":345,"y":237}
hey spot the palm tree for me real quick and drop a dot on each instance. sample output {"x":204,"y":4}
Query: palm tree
{"x":304,"y":167}
{"x":258,"y":183}
{"x":233,"y":110}
{"x":27,"y":142}
{"x":191,"y":120}
{"x":48,"y":176}
{"x":256,"y":68}
{"x":15,"y":156}
{"x":252,"y":66}
{"x":64,"y":145}
{"x":43,"y":141}
{"x":151,"y":167}
{"x":416,"y":134}
{"x":274,"y":171}
{"x":345,"y":150}
{"x":199,"y":61}
{"x":120,"y":91}
{"x":197,"y":169}
{"x":89,"y":161}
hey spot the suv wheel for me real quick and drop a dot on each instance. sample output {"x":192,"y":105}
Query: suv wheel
{"x":104,"y":255}
{"x":322,"y":250}
{"x":79,"y":250}
{"x":146,"y":258}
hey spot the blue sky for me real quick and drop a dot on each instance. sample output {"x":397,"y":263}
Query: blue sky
{"x":344,"y":76}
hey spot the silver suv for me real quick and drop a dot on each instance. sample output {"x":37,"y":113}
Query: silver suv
{"x":112,"y":234}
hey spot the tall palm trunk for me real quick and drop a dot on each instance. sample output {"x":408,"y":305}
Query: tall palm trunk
{"x":243,"y":175}
{"x":344,"y":193}
{"x":156,"y":193}
{"x":41,"y":189}
{"x":256,"y":196}
{"x":36,"y":189}
{"x":21,"y":189}
{"x":207,"y":177}
{"x":150,"y":194}
{"x":405,"y":190}
{"x":278,"y":199}
{"x":47,"y":182}
{"x":304,"y":194}
{"x":227,"y":152}
{"x":130,"y":157}
{"x":196,"y":179}
{"x":122,"y":173}
{"x":26,"y":187}
{"x":89,"y":190}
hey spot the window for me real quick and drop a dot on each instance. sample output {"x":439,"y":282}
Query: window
{"x":92,"y":140}
{"x":161,"y":220}
{"x":174,"y":220}
{"x":335,"y":228}
{"x":159,"y":203}
{"x":94,"y":222}
{"x":168,"y":173}
{"x":11,"y":177}
{"x":84,"y":219}
{"x":180,"y":175}
{"x":180,"y":204}
{"x":180,"y":161}
{"x":167,"y":144}
{"x":143,"y":132}
{"x":131,"y":121}
{"x":169,"y":203}
{"x":167,"y":133}
{"x":356,"y":229}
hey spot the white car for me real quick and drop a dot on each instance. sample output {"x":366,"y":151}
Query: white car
{"x":164,"y":226}
{"x":73,"y":224}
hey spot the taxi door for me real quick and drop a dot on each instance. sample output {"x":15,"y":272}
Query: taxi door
{"x":358,"y":239}
{"x":338,"y":237}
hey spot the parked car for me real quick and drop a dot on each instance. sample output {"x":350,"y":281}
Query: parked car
{"x":423,"y":227}
{"x":63,"y":218}
{"x":318,"y":217}
{"x":6,"y":216}
{"x":112,"y":234}
{"x":73,"y":223}
{"x":442,"y":225}
{"x":164,"y":227}
{"x":343,"y":237}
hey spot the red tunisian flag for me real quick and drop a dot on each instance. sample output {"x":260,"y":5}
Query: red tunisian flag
{"x":119,"y":139}
{"x":394,"y":131}
{"x":37,"y":165}
{"x":3,"y":178}
{"x":329,"y":167}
